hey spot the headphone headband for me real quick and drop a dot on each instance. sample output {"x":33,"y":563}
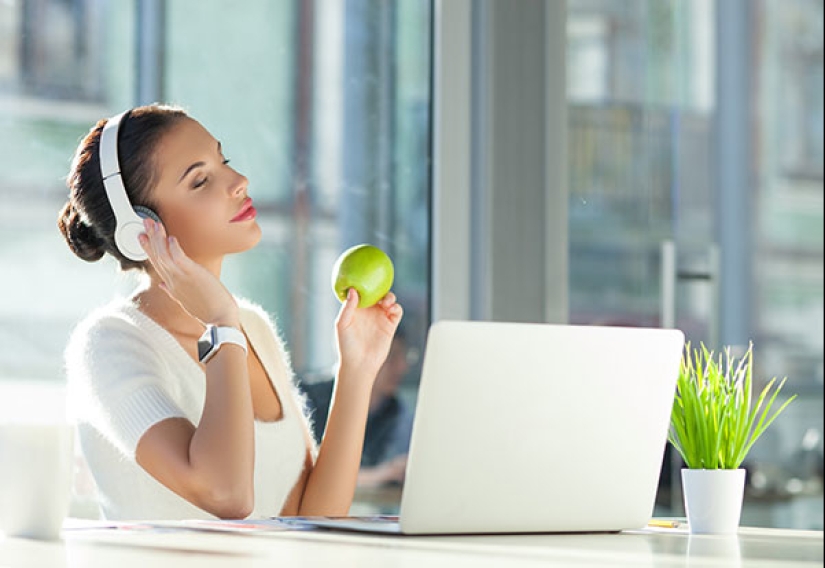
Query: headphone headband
{"x":128,"y":224}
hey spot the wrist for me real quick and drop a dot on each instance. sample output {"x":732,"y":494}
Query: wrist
{"x":216,"y":337}
{"x":355,"y":379}
{"x":225,"y":320}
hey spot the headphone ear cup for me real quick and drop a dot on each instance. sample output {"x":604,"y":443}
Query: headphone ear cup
{"x":146,"y":213}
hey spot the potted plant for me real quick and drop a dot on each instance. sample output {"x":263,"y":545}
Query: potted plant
{"x":713,"y":425}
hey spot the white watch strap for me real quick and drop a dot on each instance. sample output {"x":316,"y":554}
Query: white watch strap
{"x":214,"y":337}
{"x":234,"y":335}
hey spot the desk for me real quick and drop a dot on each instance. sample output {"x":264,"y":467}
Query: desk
{"x":180,"y":548}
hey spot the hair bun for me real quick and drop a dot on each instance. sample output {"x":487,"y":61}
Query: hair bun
{"x":81,"y":238}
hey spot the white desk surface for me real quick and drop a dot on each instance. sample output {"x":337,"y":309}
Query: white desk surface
{"x":181,"y":548}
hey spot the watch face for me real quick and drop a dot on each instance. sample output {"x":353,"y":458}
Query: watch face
{"x":203,"y":348}
{"x":206,"y":342}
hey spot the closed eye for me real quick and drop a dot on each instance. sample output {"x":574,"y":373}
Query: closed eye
{"x":199,"y":183}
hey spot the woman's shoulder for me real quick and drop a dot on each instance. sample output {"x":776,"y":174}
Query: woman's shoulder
{"x":261,"y":326}
{"x":110,"y":322}
{"x":110,"y":340}
{"x":119,"y":312}
{"x":255,"y":316}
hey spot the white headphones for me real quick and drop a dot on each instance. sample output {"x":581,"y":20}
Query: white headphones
{"x":128,"y":219}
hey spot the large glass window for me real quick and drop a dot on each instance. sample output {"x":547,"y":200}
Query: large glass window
{"x":324,"y":105}
{"x":643,"y":228}
{"x":787,"y":158}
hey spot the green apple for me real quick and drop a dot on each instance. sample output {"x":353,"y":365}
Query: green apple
{"x":366,"y":268}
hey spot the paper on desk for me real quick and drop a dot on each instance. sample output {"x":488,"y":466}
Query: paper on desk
{"x":230,"y":526}
{"x":243,"y":526}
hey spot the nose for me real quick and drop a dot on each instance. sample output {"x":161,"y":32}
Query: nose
{"x":239,"y":184}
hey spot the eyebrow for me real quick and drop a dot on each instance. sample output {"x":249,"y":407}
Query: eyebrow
{"x":198,"y":164}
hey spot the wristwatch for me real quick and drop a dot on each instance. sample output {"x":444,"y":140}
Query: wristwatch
{"x":215,"y":336}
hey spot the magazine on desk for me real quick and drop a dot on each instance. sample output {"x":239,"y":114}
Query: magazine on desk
{"x":201,"y":525}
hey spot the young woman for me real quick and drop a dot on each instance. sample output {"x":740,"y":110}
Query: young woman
{"x":168,"y":432}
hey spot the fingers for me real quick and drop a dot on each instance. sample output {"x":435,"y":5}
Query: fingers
{"x":165,"y":253}
{"x":347,"y":312}
{"x":176,"y":252}
{"x":392,"y":308}
{"x":395,"y":313}
{"x":387,"y":300}
{"x":152,"y":241}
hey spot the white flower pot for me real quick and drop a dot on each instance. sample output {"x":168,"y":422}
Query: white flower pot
{"x":713,"y":499}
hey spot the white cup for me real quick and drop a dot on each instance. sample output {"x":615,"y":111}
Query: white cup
{"x":36,"y":467}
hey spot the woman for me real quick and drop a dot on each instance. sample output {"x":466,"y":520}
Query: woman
{"x":171,"y":433}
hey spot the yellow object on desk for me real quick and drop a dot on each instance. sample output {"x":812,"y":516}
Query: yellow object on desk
{"x":664,"y":523}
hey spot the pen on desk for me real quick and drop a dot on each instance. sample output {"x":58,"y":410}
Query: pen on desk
{"x":665,"y":524}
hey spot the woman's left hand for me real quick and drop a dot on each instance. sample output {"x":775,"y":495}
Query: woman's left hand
{"x":365,"y":334}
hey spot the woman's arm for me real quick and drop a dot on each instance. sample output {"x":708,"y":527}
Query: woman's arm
{"x":331,"y":483}
{"x":364,"y":337}
{"x":211,"y":465}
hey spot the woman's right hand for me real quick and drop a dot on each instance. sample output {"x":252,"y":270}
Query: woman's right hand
{"x":365,"y":334}
{"x":191,"y":285}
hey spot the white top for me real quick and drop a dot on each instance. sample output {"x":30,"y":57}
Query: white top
{"x":126,"y":373}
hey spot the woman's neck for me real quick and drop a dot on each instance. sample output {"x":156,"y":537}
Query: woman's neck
{"x":167,"y":312}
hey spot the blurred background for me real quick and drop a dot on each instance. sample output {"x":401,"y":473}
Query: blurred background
{"x":327,"y":107}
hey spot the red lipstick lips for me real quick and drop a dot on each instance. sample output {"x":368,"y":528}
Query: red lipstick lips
{"x":246,"y":212}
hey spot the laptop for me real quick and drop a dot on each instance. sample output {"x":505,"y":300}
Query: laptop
{"x":534,"y":428}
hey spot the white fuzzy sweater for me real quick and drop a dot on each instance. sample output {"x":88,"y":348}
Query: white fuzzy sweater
{"x":126,"y":373}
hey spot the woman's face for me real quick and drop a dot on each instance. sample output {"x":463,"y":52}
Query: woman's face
{"x":200,"y":199}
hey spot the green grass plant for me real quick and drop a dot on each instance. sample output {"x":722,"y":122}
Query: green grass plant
{"x":713,"y":424}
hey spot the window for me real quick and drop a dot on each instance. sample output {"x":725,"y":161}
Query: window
{"x":642,"y":114}
{"x":52,"y":48}
{"x":328,"y":116}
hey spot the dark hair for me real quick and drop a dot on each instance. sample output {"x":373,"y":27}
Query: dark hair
{"x":87,"y":221}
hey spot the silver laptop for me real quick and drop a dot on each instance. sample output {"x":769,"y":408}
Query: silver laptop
{"x":524,"y":428}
